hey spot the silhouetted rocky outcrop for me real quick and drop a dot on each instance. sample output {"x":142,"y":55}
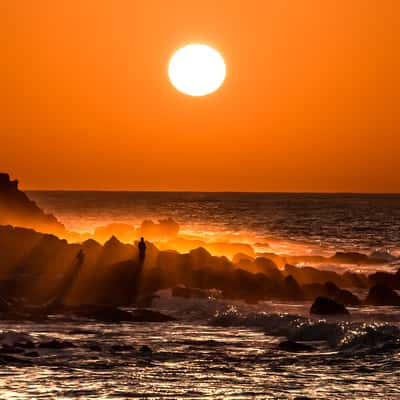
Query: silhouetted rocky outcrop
{"x":391,"y":280}
{"x":51,"y":273}
{"x":381,"y":295}
{"x":17,"y":209}
{"x":325,"y":306}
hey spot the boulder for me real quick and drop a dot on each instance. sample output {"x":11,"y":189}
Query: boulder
{"x":347,"y":298}
{"x":381,"y":295}
{"x":295,"y":347}
{"x":325,"y":306}
{"x":116,"y":315}
{"x":94,"y":347}
{"x":146,"y":350}
{"x":144,"y":315}
{"x":56,"y":345}
{"x":122,"y":347}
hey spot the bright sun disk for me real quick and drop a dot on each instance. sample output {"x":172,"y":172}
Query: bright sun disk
{"x":197,"y":70}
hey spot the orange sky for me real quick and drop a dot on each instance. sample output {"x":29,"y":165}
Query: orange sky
{"x":311,"y":100}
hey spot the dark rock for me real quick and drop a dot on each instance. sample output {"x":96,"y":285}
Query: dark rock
{"x":331,"y":289}
{"x":94,"y":347}
{"x":385,"y":278}
{"x":145,"y":350}
{"x":325,"y":306}
{"x":381,"y":295}
{"x":6,"y":359}
{"x":303,"y":398}
{"x":350,"y":258}
{"x":102,"y":313}
{"x":292,"y":290}
{"x":347,"y":298}
{"x":56,"y":345}
{"x":17,"y":209}
{"x":143,"y":315}
{"x":122,"y":347}
{"x":33,"y":354}
{"x":295,"y":347}
{"x":11,"y":349}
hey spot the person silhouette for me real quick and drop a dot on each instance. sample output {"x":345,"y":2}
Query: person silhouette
{"x":142,"y":250}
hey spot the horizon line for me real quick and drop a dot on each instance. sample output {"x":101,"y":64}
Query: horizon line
{"x":212,"y":191}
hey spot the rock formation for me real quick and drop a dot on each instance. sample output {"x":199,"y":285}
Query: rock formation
{"x":17,"y":209}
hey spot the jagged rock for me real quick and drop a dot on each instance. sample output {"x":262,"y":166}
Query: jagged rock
{"x":381,"y":295}
{"x":17,"y":209}
{"x":325,"y":306}
{"x":295,"y":347}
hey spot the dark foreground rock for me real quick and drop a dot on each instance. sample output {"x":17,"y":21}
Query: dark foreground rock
{"x":381,"y":295}
{"x":116,"y":315}
{"x":18,"y":210}
{"x":107,"y":314}
{"x":146,"y":350}
{"x":56,"y":345}
{"x":295,"y":347}
{"x":325,"y":306}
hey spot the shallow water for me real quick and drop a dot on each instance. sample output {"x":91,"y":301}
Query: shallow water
{"x":216,"y":350}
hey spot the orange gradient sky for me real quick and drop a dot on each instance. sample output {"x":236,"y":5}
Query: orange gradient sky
{"x":310,"y":103}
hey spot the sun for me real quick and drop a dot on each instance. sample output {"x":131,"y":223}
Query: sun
{"x":197,"y":70}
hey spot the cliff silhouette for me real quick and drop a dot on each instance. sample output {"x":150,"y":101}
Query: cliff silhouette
{"x":17,"y":209}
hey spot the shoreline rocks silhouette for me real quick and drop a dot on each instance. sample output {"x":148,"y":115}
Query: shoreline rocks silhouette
{"x":17,"y":209}
{"x":326,"y":306}
{"x":52,"y":274}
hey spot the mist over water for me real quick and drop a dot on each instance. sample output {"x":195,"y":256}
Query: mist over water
{"x":325,"y":222}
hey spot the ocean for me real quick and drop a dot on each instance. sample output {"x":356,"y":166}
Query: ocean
{"x":220,"y":349}
{"x":333,"y":222}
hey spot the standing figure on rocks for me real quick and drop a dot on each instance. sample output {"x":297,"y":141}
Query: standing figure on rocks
{"x":142,"y":251}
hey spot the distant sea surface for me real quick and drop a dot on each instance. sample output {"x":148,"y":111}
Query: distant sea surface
{"x":362,"y":222}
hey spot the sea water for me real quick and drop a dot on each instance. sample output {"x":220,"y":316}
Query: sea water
{"x":220,"y":349}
